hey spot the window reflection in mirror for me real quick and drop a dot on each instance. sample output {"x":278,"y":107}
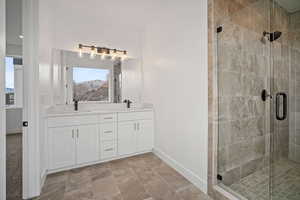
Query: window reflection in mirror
{"x":91,"y":84}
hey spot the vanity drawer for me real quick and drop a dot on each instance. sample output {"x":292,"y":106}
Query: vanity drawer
{"x":108,"y":149}
{"x":108,"y":131}
{"x":72,"y":120}
{"x":130,"y":116}
{"x":107,"y":118}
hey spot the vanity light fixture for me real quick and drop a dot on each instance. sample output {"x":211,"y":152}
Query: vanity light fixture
{"x":103,"y":51}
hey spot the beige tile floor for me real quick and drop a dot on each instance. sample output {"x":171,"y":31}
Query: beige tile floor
{"x":143,"y":177}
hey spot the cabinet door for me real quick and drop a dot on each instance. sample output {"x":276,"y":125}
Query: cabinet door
{"x":126,"y":137}
{"x":62,"y":147}
{"x":144,"y":135}
{"x":87,"y":143}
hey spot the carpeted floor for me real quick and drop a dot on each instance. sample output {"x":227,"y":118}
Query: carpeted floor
{"x":14,"y":166}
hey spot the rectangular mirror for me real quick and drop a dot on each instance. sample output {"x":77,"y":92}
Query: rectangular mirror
{"x":94,"y":80}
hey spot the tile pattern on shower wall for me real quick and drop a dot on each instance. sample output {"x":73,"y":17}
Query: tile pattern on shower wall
{"x":243,"y":72}
{"x":294,"y":131}
{"x":243,"y":65}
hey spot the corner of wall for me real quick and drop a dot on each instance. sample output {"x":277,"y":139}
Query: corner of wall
{"x":188,"y":174}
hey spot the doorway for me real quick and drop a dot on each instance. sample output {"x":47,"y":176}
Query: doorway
{"x":14,"y":99}
{"x":14,"y":108}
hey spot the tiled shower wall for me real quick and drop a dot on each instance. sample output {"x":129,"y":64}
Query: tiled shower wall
{"x":294,"y":37}
{"x":243,"y":72}
{"x":243,"y":62}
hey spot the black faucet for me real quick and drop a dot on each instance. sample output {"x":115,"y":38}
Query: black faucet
{"x":76,"y":105}
{"x":128,"y":102}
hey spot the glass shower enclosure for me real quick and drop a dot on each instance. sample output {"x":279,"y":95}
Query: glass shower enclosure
{"x":258,"y":66}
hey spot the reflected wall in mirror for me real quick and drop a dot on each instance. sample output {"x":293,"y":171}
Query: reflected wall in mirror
{"x":94,"y":80}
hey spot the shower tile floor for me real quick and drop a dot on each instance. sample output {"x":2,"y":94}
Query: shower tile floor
{"x":286,"y":183}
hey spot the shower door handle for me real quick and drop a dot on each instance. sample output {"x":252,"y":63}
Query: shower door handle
{"x":284,"y":111}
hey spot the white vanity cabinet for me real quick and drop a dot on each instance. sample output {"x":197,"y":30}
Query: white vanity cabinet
{"x":108,"y":136}
{"x":86,"y":139}
{"x":72,"y":145}
{"x":87,"y":144}
{"x":144,"y":135}
{"x":126,"y":137}
{"x":72,"y":140}
{"x":135,"y":132}
{"x":61,"y":147}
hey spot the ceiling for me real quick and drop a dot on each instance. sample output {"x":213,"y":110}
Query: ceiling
{"x":290,"y":5}
{"x":14,"y":17}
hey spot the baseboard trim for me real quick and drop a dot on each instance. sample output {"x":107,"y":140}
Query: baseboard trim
{"x":188,"y":174}
{"x":43,"y":179}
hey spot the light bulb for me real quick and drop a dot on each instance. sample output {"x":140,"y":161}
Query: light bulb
{"x":80,"y":50}
{"x":114,"y":54}
{"x":92,"y":52}
{"x":124,"y":56}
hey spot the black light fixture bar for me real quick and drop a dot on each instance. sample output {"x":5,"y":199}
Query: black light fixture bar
{"x":105,"y":50}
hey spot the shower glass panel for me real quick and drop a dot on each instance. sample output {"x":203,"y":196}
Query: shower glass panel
{"x":243,"y":67}
{"x":285,"y":88}
{"x":258,"y":49}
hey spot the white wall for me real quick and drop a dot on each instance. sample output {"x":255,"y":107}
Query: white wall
{"x":111,"y":23}
{"x":170,"y":37}
{"x":175,"y":75}
{"x":46,"y":40}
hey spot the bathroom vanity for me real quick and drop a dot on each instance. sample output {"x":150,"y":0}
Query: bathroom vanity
{"x":84,"y":137}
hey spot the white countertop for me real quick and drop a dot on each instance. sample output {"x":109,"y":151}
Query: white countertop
{"x":62,"y":112}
